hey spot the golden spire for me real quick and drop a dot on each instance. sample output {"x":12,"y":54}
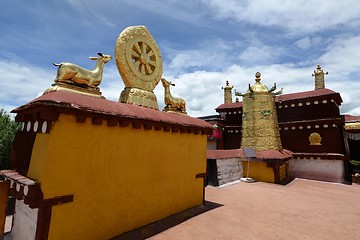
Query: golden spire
{"x":227,"y":93}
{"x":319,"y":77}
{"x":260,"y":128}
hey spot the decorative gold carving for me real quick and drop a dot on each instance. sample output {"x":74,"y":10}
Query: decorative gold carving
{"x":139,"y":96}
{"x":315,"y":139}
{"x":319,"y":77}
{"x":265,"y":114}
{"x":72,"y":74}
{"x":71,"y":77}
{"x":260,"y":128}
{"x":172,"y":104}
{"x":244,"y":116}
{"x":352,"y":126}
{"x":139,"y":62}
{"x":227,"y":93}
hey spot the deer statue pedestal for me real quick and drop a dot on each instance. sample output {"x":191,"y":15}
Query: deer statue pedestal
{"x":139,"y":97}
{"x":94,"y":92}
{"x":173,"y":110}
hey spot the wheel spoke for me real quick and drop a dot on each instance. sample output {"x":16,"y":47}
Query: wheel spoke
{"x":136,"y":64}
{"x":144,"y":47}
{"x":150,"y":53}
{"x":149,"y":70}
{"x":143,"y":58}
{"x":136,"y":48}
{"x":135,"y":54}
{"x":153,"y":63}
{"x":142,"y":69}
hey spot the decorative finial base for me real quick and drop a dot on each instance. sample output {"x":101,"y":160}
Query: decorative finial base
{"x":93,"y":92}
{"x":174,"y":110}
{"x":139,"y":97}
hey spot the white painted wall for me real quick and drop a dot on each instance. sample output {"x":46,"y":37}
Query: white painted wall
{"x":25,"y":220}
{"x":316,"y":169}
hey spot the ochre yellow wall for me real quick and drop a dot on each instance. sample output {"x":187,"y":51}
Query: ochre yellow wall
{"x":259,"y":171}
{"x":121,"y":177}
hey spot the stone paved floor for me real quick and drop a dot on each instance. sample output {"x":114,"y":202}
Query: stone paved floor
{"x":303,"y":209}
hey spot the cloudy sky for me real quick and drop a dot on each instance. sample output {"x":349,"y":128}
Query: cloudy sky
{"x":203,"y":43}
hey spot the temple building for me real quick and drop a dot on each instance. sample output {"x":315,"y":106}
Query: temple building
{"x":84,"y":167}
{"x":310,"y":125}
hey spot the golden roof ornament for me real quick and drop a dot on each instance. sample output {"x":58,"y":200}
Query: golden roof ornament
{"x":315,"y":139}
{"x":227,"y":93}
{"x":139,"y":62}
{"x":73,"y":78}
{"x":319,"y":77}
{"x":260,"y":128}
{"x":172,"y":104}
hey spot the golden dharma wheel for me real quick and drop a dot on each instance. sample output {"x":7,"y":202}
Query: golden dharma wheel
{"x":138,"y":58}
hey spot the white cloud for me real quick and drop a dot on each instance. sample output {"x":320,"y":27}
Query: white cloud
{"x":111,"y":84}
{"x":91,"y":10}
{"x":303,"y":16}
{"x":342,"y":55}
{"x":354,"y":112}
{"x":22,"y":82}
{"x":201,"y":90}
{"x":261,"y":54}
{"x":209,"y":54}
{"x":308,"y":42}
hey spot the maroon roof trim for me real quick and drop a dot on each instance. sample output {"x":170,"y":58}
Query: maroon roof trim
{"x":291,"y":96}
{"x":238,"y":153}
{"x":307,"y":94}
{"x":229,"y":105}
{"x":320,"y":156}
{"x":86,"y":106}
{"x":349,"y":118}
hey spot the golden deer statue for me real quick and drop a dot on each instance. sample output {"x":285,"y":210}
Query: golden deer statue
{"x":173,"y":104}
{"x":73,"y":74}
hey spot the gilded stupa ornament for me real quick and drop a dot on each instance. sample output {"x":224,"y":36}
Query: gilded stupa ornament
{"x":73,"y":78}
{"x":260,"y":129}
{"x":319,"y":77}
{"x":139,"y":62}
{"x":172,"y":104}
{"x":315,"y":139}
{"x":227,"y":93}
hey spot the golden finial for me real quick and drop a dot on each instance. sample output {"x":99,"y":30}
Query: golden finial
{"x":319,"y":77}
{"x":257,"y":77}
{"x":227,"y":93}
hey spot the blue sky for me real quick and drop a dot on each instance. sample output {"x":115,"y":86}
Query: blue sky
{"x":203,"y":43}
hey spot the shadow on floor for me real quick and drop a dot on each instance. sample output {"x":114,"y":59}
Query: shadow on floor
{"x":166,"y":223}
{"x":286,"y":180}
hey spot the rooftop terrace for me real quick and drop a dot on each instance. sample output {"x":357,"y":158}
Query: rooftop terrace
{"x":303,"y":209}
